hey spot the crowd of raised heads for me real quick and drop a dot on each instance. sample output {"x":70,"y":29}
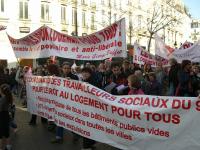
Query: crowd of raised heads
{"x":115,"y":77}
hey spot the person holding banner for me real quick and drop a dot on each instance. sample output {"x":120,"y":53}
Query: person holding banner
{"x":87,"y":74}
{"x":116,"y":79}
{"x":66,"y":73}
{"x":20,"y":78}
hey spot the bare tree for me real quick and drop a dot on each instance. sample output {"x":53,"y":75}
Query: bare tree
{"x":159,"y":20}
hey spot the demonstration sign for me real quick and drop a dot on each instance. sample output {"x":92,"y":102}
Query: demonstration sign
{"x":192,"y":53}
{"x":142,"y":57}
{"x":46,"y":42}
{"x":131,"y":122}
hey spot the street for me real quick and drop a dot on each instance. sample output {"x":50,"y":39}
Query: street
{"x":38,"y":137}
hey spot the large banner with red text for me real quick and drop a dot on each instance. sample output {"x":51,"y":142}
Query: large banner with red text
{"x":141,"y":57}
{"x":45,"y":42}
{"x":131,"y":122}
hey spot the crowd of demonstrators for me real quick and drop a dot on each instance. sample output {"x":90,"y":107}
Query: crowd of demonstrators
{"x":118,"y":78}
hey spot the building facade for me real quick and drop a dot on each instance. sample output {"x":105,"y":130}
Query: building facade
{"x":195,"y":30}
{"x":82,"y":17}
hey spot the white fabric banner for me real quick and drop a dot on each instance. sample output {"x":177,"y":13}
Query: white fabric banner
{"x":161,"y":49}
{"x":140,"y":56}
{"x":46,"y":42}
{"x":192,"y":53}
{"x":131,"y":122}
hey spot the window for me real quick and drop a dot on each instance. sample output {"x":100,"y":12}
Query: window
{"x":102,"y":17}
{"x":83,"y":2}
{"x":194,"y":25}
{"x":115,"y":17}
{"x":2,"y":6}
{"x":74,"y":16}
{"x":115,"y":4}
{"x":83,"y":19}
{"x":139,"y":4}
{"x":120,"y":5}
{"x":102,"y":2}
{"x":23,"y":9}
{"x":129,"y":3}
{"x":63,"y":14}
{"x":92,"y":20}
{"x":45,"y":12}
{"x":139,"y":21}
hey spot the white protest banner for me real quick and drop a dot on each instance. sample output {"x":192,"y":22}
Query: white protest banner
{"x":161,"y":49}
{"x":192,"y":53}
{"x":140,"y":56}
{"x":131,"y":122}
{"x":46,"y":42}
{"x":185,"y":45}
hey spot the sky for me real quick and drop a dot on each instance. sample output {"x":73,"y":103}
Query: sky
{"x":194,"y":7}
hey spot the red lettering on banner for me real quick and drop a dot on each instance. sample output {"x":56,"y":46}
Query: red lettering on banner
{"x":64,"y":94}
{"x":86,"y":88}
{"x":109,"y":32}
{"x":79,"y":56}
{"x":198,"y":105}
{"x":145,"y":101}
{"x":47,"y":80}
{"x":45,"y":90}
{"x":166,"y":118}
{"x":78,"y":129}
{"x":80,"y":121}
{"x":158,"y":132}
{"x":103,"y":118}
{"x":95,"y":126}
{"x":89,"y":49}
{"x":124,"y":135}
{"x":49,"y":34}
{"x":91,"y":39}
{"x":128,"y":113}
{"x":88,"y":102}
{"x":65,"y":115}
{"x":183,"y":104}
{"x":131,"y":127}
